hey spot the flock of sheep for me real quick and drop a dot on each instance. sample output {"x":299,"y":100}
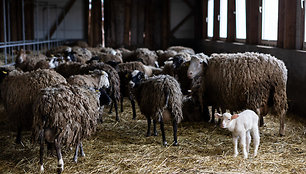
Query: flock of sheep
{"x":60,"y":96}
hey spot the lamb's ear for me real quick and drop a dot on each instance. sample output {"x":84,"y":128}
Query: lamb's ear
{"x":234,"y":116}
{"x":217,"y":115}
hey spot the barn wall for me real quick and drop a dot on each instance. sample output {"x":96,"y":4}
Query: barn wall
{"x":294,"y":60}
{"x":72,"y":26}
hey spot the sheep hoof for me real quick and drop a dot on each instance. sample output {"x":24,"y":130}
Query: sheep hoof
{"x":175,"y":143}
{"x":75,"y":159}
{"x":148,"y":134}
{"x":59,"y":170}
{"x":165,"y":143}
{"x":155,"y":134}
{"x":134,"y":118}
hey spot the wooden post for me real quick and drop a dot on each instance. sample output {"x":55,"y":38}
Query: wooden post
{"x":198,"y":20}
{"x":253,"y":22}
{"x":1,"y":22}
{"x":141,"y":22}
{"x":216,"y":19}
{"x":300,"y":21}
{"x":96,"y":22}
{"x":165,"y":23}
{"x":29,"y":19}
{"x":205,"y":15}
{"x":127,"y":23}
{"x":281,"y":21}
{"x":86,"y":20}
{"x":148,"y":24}
{"x":134,"y":23}
{"x":231,"y":21}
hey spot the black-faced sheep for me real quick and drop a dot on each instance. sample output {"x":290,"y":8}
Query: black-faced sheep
{"x":64,"y":115}
{"x":18,"y":99}
{"x":114,"y":81}
{"x":159,"y":98}
{"x":245,"y":80}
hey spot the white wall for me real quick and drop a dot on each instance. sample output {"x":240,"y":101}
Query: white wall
{"x":72,"y":27}
{"x":178,"y":10}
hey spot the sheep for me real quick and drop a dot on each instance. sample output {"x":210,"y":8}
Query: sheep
{"x":242,"y":125}
{"x":245,"y":80}
{"x":164,"y":55}
{"x":29,"y":62}
{"x":70,"y":68}
{"x":191,"y":110}
{"x":147,"y":56}
{"x":106,"y":57}
{"x":159,"y":98}
{"x":64,"y":115}
{"x":97,"y":79}
{"x":113,"y":78}
{"x":177,"y":67}
{"x":81,"y":54}
{"x":182,"y":49}
{"x":126,"y":68}
{"x":18,"y":99}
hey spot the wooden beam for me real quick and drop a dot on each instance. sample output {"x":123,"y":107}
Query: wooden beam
{"x":216,"y":19}
{"x":118,"y":17}
{"x":198,"y":20}
{"x":96,"y":22}
{"x":205,"y":15}
{"x":148,"y":24}
{"x":127,"y":23}
{"x":189,"y":4}
{"x":253,"y":22}
{"x":13,"y":19}
{"x":281,"y":21}
{"x":182,"y":22}
{"x":141,"y":22}
{"x":1,"y":22}
{"x":29,"y":19}
{"x":290,"y":25}
{"x":300,"y":24}
{"x":134,"y":23}
{"x":86,"y":20}
{"x":165,"y":26}
{"x":61,"y":17}
{"x":231,"y":21}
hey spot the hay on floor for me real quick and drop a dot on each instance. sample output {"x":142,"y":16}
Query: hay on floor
{"x":121,"y":147}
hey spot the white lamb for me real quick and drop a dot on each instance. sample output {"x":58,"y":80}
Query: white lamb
{"x":242,"y":125}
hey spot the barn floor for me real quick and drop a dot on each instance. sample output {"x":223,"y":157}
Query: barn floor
{"x":121,"y":147}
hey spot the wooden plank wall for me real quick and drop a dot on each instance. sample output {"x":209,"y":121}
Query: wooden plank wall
{"x":96,"y":24}
{"x":1,"y":22}
{"x":136,"y":23}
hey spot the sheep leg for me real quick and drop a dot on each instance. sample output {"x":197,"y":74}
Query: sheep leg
{"x":205,"y":111}
{"x":235,"y":142}
{"x":75,"y":158}
{"x":282,"y":124}
{"x":121,"y":103}
{"x":149,"y":127}
{"x":18,"y":136}
{"x":163,"y":131}
{"x":111,"y":108}
{"x":261,"y":121}
{"x":243,"y":144}
{"x":41,"y":151}
{"x":154,"y":128}
{"x":175,"y":133}
{"x":133,"y":108}
{"x":116,"y":109}
{"x":256,"y":139}
{"x":81,"y":149}
{"x":213,"y":114}
{"x":60,"y":166}
{"x":248,"y":141}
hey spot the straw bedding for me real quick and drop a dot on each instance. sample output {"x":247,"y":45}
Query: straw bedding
{"x":204,"y":148}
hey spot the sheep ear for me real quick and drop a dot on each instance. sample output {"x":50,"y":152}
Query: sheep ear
{"x":217,"y":115}
{"x":234,"y":116}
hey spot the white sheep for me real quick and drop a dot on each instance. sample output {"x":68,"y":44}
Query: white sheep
{"x":242,"y":125}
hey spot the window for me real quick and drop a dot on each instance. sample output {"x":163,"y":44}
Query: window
{"x":210,"y":18}
{"x":269,"y":19}
{"x":223,"y":18}
{"x":240,"y":19}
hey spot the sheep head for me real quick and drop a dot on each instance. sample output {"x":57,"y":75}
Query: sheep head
{"x":226,"y":119}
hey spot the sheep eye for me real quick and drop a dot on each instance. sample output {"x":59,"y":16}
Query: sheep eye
{"x":229,"y":119}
